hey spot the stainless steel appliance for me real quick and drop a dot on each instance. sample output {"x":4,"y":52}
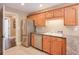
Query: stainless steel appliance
{"x":38,"y":41}
{"x":27,"y":28}
{"x":6,"y":33}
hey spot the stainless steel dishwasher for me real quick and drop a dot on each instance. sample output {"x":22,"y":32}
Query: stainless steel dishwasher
{"x":38,"y":41}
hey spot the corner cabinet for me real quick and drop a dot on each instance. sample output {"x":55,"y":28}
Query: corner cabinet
{"x":70,"y":18}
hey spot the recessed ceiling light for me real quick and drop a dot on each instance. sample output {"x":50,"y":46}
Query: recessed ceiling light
{"x":41,"y":5}
{"x":22,"y":3}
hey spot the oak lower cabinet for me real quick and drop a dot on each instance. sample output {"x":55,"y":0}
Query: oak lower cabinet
{"x":64,"y":46}
{"x":46,"y":44}
{"x":32,"y":39}
{"x":58,"y":46}
{"x":54,"y":45}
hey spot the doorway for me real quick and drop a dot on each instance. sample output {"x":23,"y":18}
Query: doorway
{"x":9,"y":29}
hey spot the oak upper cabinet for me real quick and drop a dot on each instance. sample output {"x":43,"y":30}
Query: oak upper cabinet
{"x":30,"y":17}
{"x":70,"y":18}
{"x":46,"y":44}
{"x":32,"y":39}
{"x":49,"y":14}
{"x":58,"y":46}
{"x":40,"y":20}
{"x":34,"y":18}
{"x":59,"y":12}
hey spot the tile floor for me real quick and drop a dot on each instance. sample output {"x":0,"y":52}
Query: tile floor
{"x":20,"y":50}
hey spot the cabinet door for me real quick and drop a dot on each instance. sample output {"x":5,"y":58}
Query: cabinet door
{"x":32,"y":39}
{"x":46,"y":44}
{"x":70,"y":16}
{"x":40,"y":20}
{"x":30,"y":17}
{"x":64,"y":46}
{"x":56,"y":46}
{"x":49,"y":14}
{"x":59,"y":12}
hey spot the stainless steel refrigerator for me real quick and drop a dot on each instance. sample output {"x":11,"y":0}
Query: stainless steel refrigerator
{"x":27,"y":27}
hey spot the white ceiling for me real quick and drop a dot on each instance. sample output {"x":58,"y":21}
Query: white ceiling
{"x":30,"y":7}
